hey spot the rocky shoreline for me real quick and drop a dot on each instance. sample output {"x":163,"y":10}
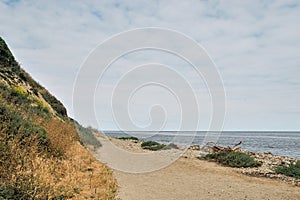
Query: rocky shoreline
{"x":267,"y":169}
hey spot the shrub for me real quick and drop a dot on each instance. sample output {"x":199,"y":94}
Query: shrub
{"x":6,"y":57}
{"x":12,"y":123}
{"x":17,"y":95}
{"x":233,"y":159}
{"x":54,"y":103}
{"x":20,"y":91}
{"x":86,"y":135}
{"x":129,"y":138}
{"x":292,"y":170}
{"x":152,"y":145}
{"x":42,"y":107}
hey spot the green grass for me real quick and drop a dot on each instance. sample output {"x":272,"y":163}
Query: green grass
{"x":233,"y":159}
{"x":152,"y":145}
{"x":292,"y":170}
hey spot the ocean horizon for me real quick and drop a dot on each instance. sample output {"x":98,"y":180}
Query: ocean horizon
{"x":281,"y":143}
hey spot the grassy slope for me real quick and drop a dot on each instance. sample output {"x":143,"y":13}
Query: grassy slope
{"x":41,"y":155}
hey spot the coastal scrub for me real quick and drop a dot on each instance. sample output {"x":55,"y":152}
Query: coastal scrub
{"x":233,"y":159}
{"x":152,"y":145}
{"x":292,"y":170}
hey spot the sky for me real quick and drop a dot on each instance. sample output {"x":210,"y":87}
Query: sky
{"x":255,"y":46}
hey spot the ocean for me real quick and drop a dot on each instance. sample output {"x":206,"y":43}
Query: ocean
{"x":278,"y":143}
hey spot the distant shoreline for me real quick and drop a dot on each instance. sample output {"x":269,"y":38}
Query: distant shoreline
{"x":278,"y":143}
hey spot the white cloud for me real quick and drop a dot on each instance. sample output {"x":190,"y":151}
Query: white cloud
{"x":255,"y":45}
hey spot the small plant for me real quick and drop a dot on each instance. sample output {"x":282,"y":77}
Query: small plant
{"x":292,"y":170}
{"x":152,"y":145}
{"x":128,"y":138}
{"x":233,"y":159}
{"x":20,"y":91}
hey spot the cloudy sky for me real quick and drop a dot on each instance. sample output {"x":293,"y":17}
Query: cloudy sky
{"x":254,"y":44}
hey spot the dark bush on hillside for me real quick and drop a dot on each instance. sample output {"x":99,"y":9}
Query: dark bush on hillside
{"x":152,"y":145}
{"x":233,"y":159}
{"x":292,"y":170}
{"x":6,"y":57}
{"x":55,"y":104}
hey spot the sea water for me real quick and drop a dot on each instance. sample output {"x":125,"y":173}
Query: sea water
{"x":278,"y":143}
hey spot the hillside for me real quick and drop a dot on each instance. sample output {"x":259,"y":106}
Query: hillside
{"x":41,"y":149}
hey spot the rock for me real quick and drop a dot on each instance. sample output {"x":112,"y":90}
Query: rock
{"x":194,"y":147}
{"x":172,"y":146}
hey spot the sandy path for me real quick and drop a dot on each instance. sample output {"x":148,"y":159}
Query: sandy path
{"x":189,"y":178}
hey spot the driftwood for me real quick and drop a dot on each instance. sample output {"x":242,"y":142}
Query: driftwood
{"x":235,"y":147}
{"x":213,"y":148}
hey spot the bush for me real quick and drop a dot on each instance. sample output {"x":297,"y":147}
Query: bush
{"x":86,"y":135}
{"x":129,"y":138}
{"x":153,"y":146}
{"x":233,"y":159}
{"x":54,"y":103}
{"x":292,"y":170}
{"x":6,"y":57}
{"x":20,"y":91}
{"x":12,"y":123}
{"x":17,"y":95}
{"x":41,"y":107}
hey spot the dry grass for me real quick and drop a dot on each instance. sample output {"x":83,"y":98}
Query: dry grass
{"x":92,"y":177}
{"x":62,"y":134}
{"x":32,"y":174}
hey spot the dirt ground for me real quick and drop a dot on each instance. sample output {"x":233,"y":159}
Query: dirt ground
{"x":191,"y":178}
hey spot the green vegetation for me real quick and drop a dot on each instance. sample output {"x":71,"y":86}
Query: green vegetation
{"x":20,"y":91}
{"x":86,"y":135}
{"x":152,"y":145}
{"x":12,"y":124}
{"x":21,"y":143}
{"x":233,"y":159}
{"x":129,"y":138}
{"x":16,"y":96}
{"x":6,"y":57}
{"x":292,"y":170}
{"x":12,"y":74}
{"x":42,"y":107}
{"x":54,"y":103}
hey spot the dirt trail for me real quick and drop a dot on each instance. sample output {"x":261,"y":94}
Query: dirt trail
{"x":190,"y":178}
